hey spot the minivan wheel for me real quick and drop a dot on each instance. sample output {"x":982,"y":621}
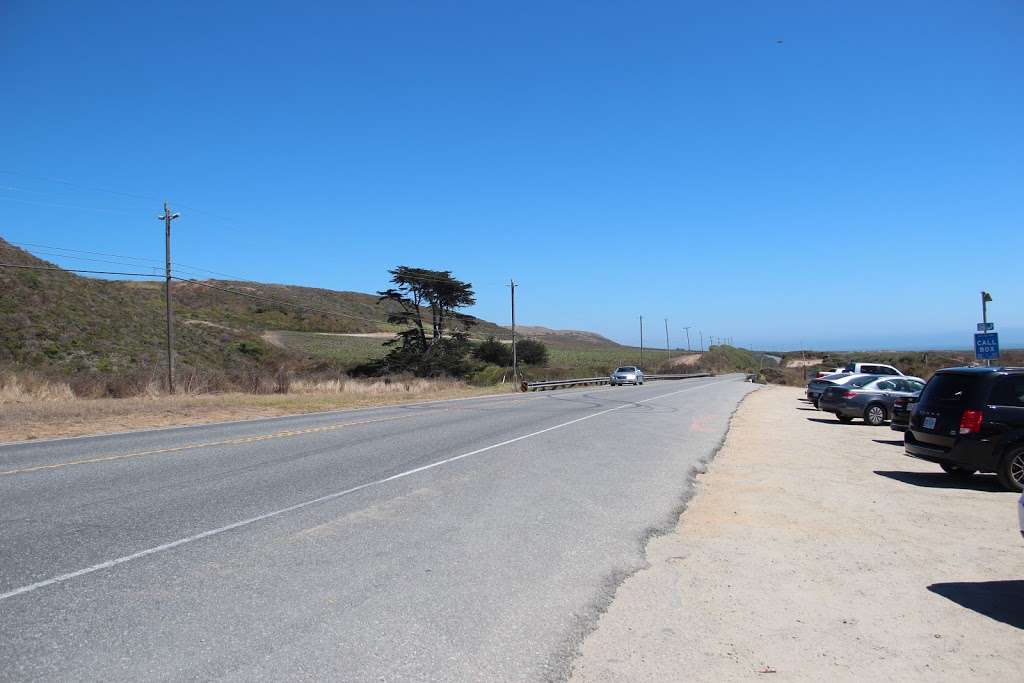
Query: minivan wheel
{"x":957,"y":472}
{"x":1011,"y":470}
{"x":874,"y":415}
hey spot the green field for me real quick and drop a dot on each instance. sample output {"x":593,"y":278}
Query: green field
{"x":353,"y":351}
{"x":347,"y":351}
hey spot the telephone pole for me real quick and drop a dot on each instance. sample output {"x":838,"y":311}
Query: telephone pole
{"x":668,"y":349}
{"x":701,"y":340}
{"x":687,"y":329}
{"x":641,"y":342}
{"x":167,"y":217}
{"x":515,"y":362}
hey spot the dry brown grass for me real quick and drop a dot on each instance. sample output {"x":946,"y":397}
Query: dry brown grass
{"x":45,"y":409}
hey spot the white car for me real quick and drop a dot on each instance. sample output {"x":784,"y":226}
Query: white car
{"x":627,"y":374}
{"x":871,"y":369}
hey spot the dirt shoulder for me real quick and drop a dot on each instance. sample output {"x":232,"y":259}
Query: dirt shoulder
{"x":813,"y":551}
{"x":28,"y":420}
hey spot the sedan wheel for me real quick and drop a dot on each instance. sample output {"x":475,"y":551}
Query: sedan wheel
{"x":874,"y":415}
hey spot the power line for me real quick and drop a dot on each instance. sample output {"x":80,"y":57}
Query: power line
{"x":75,"y":270}
{"x":65,"y":206}
{"x":78,"y":185}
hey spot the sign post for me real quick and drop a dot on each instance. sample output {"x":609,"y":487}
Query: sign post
{"x":986,"y":346}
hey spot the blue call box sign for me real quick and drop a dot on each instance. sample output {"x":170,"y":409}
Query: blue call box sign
{"x":986,"y":346}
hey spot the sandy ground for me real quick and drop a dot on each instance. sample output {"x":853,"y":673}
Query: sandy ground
{"x":817,"y":551}
{"x":687,"y":360}
{"x":803,"y":363}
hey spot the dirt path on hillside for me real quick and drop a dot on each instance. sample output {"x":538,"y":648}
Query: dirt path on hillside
{"x":818,"y":551}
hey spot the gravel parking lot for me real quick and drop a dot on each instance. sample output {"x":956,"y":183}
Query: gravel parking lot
{"x":813,"y":550}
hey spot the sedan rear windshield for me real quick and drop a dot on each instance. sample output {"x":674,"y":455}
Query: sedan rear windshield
{"x":861,"y":381}
{"x":948,"y":389}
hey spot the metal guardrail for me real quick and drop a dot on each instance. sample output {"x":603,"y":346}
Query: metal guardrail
{"x":596,"y":381}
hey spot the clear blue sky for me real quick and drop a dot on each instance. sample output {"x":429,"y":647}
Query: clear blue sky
{"x":855,"y":185}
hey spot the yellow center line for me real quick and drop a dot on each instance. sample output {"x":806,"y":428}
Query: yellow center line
{"x":234,"y":442}
{"x":208,"y":444}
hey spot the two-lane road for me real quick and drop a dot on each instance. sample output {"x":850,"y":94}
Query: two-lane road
{"x":458,"y":540}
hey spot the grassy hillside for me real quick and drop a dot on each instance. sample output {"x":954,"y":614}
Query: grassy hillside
{"x":57,"y":321}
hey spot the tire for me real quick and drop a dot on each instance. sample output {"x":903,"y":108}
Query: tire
{"x":815,"y":402}
{"x":844,"y":419}
{"x":957,"y":472}
{"x":875,"y":415}
{"x":1011,"y":470}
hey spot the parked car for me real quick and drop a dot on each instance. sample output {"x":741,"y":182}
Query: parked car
{"x":818,"y":385}
{"x":868,"y":396}
{"x":972,"y":420}
{"x":627,"y":374}
{"x":871,"y":369}
{"x":901,"y":408}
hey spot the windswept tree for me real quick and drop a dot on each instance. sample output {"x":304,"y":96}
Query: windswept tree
{"x":428,"y":303}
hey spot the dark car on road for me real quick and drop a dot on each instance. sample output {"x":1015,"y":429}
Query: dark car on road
{"x":869,"y":396}
{"x":971,"y":420}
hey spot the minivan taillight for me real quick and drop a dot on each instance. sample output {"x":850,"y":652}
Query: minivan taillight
{"x":970,"y":421}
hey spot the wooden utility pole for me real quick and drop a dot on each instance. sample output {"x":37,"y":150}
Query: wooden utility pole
{"x":641,"y":342}
{"x":515,"y":362}
{"x":668,"y":349}
{"x":687,"y":329}
{"x":167,"y":217}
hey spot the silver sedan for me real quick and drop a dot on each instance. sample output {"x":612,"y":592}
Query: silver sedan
{"x":627,"y":374}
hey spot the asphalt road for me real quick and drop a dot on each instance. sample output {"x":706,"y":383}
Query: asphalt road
{"x":457,"y":540}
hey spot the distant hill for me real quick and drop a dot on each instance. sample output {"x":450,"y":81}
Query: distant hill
{"x":56,"y":320}
{"x":565,"y":338}
{"x":59,"y":321}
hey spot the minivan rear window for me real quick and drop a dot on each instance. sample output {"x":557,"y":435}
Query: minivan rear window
{"x":949,"y":389}
{"x":1009,"y":391}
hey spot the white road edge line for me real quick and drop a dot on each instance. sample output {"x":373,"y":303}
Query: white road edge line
{"x":331,"y":496}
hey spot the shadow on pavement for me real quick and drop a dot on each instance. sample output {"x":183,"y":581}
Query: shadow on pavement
{"x":999,"y":600}
{"x":941,"y":480}
{"x":889,"y":442}
{"x":832,"y":421}
{"x":813,"y":410}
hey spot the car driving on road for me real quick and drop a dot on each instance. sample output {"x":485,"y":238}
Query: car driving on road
{"x":969,"y":420}
{"x":627,"y":374}
{"x":868,"y":396}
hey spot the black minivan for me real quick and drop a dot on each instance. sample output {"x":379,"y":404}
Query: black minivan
{"x":969,"y":420}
